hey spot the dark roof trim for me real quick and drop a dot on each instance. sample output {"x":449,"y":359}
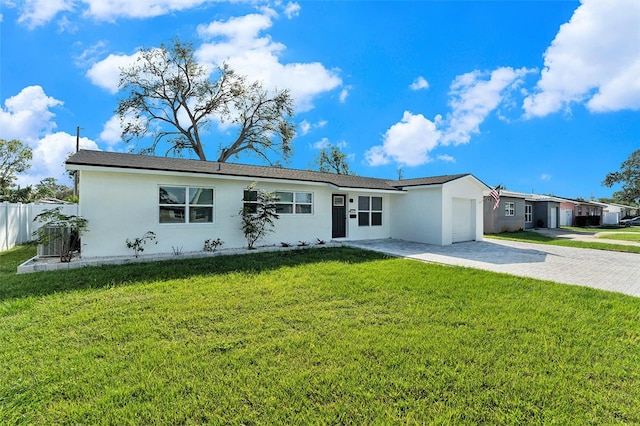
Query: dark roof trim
{"x":179,"y":165}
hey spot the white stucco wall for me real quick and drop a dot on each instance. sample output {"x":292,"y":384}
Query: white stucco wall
{"x":467,"y":188}
{"x":425,"y":214}
{"x":123,"y":205}
{"x":417,"y":215}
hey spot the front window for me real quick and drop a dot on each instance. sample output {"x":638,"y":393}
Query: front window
{"x":509,"y":209}
{"x":528,"y":215}
{"x":369,"y":211}
{"x":294,"y":202}
{"x":179,"y":204}
{"x":250,"y":201}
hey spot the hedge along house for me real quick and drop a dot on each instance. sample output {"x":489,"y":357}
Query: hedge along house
{"x":185,"y":202}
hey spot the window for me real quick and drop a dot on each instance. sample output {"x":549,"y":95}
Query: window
{"x":294,"y":202}
{"x":179,"y":204}
{"x":250,"y":199}
{"x":528,"y":214}
{"x":509,"y":209}
{"x":369,"y":211}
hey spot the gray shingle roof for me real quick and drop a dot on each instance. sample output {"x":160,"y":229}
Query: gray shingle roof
{"x":179,"y":165}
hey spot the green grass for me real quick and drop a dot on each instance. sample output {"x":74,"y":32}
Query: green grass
{"x":604,"y":228}
{"x":535,"y":237}
{"x":621,"y":236}
{"x":11,"y":259}
{"x":322,"y":336}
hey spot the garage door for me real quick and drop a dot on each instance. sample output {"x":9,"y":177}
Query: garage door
{"x":463,"y":220}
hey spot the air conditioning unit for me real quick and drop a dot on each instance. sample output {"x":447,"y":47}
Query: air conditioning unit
{"x":53,"y":247}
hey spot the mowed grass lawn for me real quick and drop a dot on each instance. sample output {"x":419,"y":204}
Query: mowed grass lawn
{"x":321,"y":336}
{"x":538,"y":238}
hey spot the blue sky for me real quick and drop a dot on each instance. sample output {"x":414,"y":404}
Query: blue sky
{"x":539,"y":96}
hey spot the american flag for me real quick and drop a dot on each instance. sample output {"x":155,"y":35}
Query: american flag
{"x":495,"y":194}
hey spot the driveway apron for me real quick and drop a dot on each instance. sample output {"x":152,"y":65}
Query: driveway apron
{"x":605,"y":270}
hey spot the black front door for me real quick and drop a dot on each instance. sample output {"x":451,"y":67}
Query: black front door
{"x":339,"y":216}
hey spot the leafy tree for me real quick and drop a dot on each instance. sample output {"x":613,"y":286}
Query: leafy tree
{"x":15,"y":158}
{"x":332,"y":160}
{"x":258,"y":214}
{"x":173,"y":99}
{"x":50,"y":188}
{"x":18,"y":195}
{"x":629,"y":177}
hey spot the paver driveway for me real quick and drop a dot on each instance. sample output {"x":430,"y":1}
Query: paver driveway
{"x":605,"y":270}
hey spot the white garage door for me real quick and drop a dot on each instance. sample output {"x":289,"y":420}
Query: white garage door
{"x":463,"y":220}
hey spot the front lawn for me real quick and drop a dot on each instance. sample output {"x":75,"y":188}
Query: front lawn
{"x":535,"y":237}
{"x":604,"y":228}
{"x":321,"y":336}
{"x":620,"y":236}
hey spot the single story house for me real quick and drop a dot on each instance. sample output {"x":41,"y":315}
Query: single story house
{"x":185,"y":202}
{"x":507,"y":216}
{"x":612,"y":213}
{"x":518,"y":211}
{"x":582,"y":212}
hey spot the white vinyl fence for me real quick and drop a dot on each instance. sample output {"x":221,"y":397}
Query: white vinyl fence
{"x":16,"y":221}
{"x":610,"y":218}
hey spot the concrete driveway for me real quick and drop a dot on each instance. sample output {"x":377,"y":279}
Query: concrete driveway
{"x":606,"y":270}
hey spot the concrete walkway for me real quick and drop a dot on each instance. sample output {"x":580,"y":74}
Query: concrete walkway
{"x":606,"y":270}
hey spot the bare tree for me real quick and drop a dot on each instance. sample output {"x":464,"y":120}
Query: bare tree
{"x":175,"y":100}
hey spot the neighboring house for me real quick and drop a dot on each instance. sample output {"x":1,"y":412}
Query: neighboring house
{"x":545,"y":211}
{"x":185,"y":202}
{"x":585,"y":213}
{"x":517,"y":211}
{"x":509,"y":216}
{"x":613,"y":213}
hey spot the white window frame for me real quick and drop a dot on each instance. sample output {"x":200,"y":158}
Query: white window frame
{"x":296,"y":205}
{"x":528,"y":213}
{"x":509,"y":208}
{"x":187,"y":206}
{"x":369,"y":213}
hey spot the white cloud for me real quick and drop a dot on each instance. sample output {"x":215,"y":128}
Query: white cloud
{"x":50,"y":154}
{"x":344,"y":93}
{"x":408,"y":142}
{"x":325,"y":143}
{"x":106,"y":73}
{"x":446,"y":158}
{"x":38,"y":12}
{"x":474,"y":96}
{"x":238,"y":42}
{"x":28,"y":117}
{"x":545,"y":176}
{"x":419,"y":84}
{"x":35,"y":13}
{"x":112,"y":131}
{"x":305,"y":127}
{"x":322,"y":143}
{"x":292,"y":10}
{"x":109,"y":10}
{"x":594,"y":59}
{"x":89,"y":56}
